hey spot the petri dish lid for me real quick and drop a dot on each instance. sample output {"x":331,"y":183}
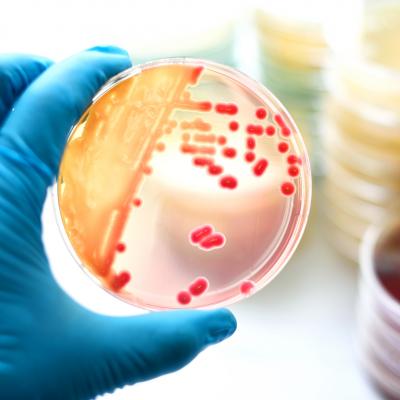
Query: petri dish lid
{"x":184,"y":184}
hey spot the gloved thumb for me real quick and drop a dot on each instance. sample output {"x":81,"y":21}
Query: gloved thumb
{"x":128,"y":350}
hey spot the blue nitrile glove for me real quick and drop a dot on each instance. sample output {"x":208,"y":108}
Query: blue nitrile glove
{"x":50,"y":346}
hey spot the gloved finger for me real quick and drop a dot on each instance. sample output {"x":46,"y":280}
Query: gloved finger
{"x":44,"y":114}
{"x":134,"y":349}
{"x":17,"y":72}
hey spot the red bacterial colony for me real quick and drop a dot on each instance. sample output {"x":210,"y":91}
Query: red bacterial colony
{"x":284,"y":129}
{"x":249,"y":156}
{"x":270,"y":130}
{"x":229,"y":182}
{"x":215,"y":170}
{"x":254,"y":129}
{"x":246,"y":287}
{"x":184,"y":297}
{"x":205,"y":237}
{"x":260,"y":167}
{"x":137,"y":202}
{"x":198,"y":287}
{"x":251,"y":143}
{"x":200,"y":233}
{"x":292,"y":159}
{"x":261,"y":113}
{"x":229,"y":152}
{"x":121,"y":247}
{"x":214,"y":240}
{"x":279,"y":120}
{"x":120,"y":280}
{"x":230,"y":109}
{"x":287,"y":188}
{"x":221,"y":140}
{"x":233,"y":126}
{"x":283,"y":147}
{"x":293,"y":171}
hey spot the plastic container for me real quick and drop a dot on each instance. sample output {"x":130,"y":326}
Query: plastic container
{"x":184,"y":184}
{"x":362,"y":111}
{"x":379,"y":306}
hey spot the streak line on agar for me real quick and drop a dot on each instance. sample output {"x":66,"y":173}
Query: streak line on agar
{"x":198,"y":124}
{"x":198,"y":137}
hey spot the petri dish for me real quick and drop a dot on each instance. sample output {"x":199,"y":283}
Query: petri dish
{"x":379,"y":304}
{"x":184,"y":184}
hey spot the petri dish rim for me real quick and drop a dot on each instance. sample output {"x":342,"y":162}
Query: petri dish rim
{"x":265,"y":96}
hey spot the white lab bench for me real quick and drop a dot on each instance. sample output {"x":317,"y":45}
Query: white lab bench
{"x":295,"y":338}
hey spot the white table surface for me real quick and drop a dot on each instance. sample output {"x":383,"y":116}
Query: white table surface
{"x":295,"y":338}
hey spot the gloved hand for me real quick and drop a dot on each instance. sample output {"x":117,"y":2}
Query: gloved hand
{"x":50,"y":346}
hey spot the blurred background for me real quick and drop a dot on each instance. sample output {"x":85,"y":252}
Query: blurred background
{"x":335,"y":65}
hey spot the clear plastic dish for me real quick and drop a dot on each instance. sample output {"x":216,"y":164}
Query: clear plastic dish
{"x":379,"y":304}
{"x":184,"y":184}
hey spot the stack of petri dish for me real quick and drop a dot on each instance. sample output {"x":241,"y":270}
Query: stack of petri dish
{"x":362,"y":129}
{"x":379,"y":307}
{"x":293,"y":57}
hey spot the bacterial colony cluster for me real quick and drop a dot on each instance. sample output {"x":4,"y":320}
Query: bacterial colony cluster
{"x":180,"y":186}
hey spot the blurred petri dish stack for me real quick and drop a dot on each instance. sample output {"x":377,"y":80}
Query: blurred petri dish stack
{"x":293,"y":57}
{"x":378,"y":338}
{"x":362,"y":129}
